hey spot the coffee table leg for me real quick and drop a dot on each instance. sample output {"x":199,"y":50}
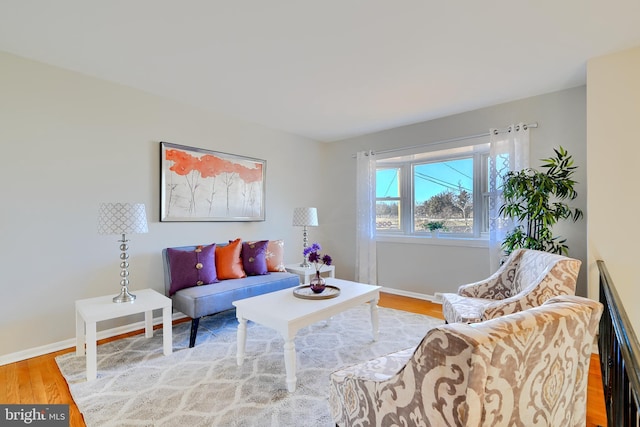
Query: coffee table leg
{"x":242,"y":339}
{"x":290,"y":363}
{"x":373,"y":305}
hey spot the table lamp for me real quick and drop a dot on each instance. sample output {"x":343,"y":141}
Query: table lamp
{"x":122,"y":218}
{"x":305,"y":217}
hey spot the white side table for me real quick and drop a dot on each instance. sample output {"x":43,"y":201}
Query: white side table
{"x":306,"y":273}
{"x":92,"y":310}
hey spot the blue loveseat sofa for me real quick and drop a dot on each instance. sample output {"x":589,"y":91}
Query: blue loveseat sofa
{"x":207,"y":299}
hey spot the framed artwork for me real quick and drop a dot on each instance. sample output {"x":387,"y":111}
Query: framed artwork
{"x":204,"y":185}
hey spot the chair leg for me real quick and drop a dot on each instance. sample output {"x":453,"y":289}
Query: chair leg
{"x":194,"y":330}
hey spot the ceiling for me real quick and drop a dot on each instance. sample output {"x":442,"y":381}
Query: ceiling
{"x":326,"y":69}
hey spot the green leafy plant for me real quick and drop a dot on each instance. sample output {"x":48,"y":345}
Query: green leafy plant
{"x":536,"y":200}
{"x":434,"y":225}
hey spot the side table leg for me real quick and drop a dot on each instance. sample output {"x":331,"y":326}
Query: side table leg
{"x":290,"y":363}
{"x":167,"y":331}
{"x":373,"y":305}
{"x":91,"y":351}
{"x":148,"y":324}
{"x":79,"y":335}
{"x":242,"y":339}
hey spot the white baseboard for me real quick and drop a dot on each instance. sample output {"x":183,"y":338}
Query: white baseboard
{"x":71,"y":342}
{"x":433,"y":298}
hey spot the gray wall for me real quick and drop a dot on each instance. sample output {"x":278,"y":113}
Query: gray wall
{"x":426,"y":267}
{"x":70,"y":142}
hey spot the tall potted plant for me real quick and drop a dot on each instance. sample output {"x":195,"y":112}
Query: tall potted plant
{"x":537,"y":201}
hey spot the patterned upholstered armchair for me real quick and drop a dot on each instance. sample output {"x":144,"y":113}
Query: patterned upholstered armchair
{"x":526,"y":368}
{"x":526,"y":279}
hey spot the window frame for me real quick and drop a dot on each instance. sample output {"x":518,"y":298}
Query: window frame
{"x":477,"y":149}
{"x":401,"y":181}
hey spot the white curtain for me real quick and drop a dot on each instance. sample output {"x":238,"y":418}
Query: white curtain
{"x":509,"y":151}
{"x":365,"y":218}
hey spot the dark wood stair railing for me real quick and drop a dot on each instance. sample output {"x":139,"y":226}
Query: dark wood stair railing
{"x":619,"y":357}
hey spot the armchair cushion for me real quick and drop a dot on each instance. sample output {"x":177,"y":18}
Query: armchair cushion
{"x":464,"y":309}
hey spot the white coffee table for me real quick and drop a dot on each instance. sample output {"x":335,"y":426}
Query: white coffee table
{"x":92,"y":310}
{"x":287,"y":314}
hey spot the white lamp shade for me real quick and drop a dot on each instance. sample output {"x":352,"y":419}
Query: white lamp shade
{"x":305,"y":216}
{"x":122,"y":218}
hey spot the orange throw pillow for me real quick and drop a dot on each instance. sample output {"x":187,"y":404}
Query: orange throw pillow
{"x":228,"y":261}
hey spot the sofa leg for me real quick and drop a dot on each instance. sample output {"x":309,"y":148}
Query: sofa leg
{"x":194,"y":330}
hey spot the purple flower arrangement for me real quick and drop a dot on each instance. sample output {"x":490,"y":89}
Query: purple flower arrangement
{"x":318,"y":260}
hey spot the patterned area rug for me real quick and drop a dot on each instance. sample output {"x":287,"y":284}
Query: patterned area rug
{"x":203,"y":386}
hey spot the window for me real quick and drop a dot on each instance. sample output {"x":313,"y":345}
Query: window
{"x":388,"y":199}
{"x":448,"y":186}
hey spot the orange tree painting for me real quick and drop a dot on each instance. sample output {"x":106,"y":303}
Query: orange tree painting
{"x":203,"y":185}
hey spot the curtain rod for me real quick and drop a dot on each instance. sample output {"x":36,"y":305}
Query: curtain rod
{"x":461,"y":138}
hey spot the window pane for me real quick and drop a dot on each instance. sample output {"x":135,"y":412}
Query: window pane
{"x":443,"y":191}
{"x":387,"y":183}
{"x":388,"y":215}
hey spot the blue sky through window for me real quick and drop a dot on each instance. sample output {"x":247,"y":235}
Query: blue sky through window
{"x":430,"y":179}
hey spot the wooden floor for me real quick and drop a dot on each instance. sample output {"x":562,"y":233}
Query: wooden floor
{"x":38,"y":380}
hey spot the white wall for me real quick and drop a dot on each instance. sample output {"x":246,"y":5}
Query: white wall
{"x":425,"y":268}
{"x":613,"y":148}
{"x":69,"y":142}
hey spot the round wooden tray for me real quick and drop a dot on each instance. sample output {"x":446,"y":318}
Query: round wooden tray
{"x":305,"y":292}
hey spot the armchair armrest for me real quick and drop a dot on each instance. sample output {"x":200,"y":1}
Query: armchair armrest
{"x":373,"y":394}
{"x":498,"y":286}
{"x":481,"y":289}
{"x":506,"y":306}
{"x":379,"y":369}
{"x":560,"y":280}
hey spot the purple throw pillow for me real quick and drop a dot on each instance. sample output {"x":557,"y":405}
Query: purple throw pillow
{"x":254,"y":257}
{"x":192,"y":268}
